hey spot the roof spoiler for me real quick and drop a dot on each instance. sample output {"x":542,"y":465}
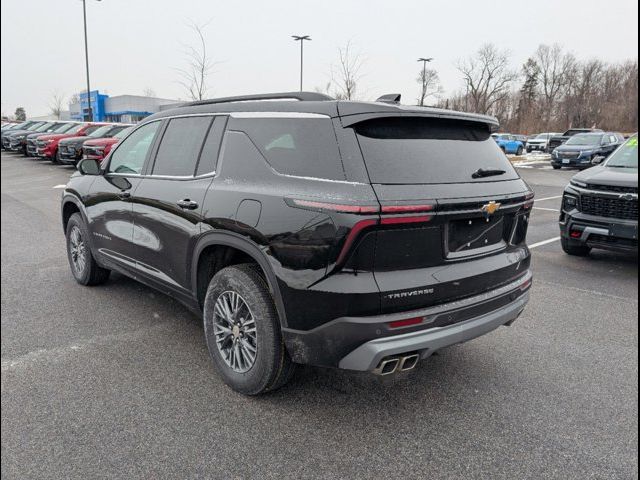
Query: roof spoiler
{"x":393,"y":98}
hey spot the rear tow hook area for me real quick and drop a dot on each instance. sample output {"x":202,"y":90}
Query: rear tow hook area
{"x":398,"y":363}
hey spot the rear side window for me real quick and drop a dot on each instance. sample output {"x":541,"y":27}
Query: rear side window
{"x":405,"y":150}
{"x":303,"y":147}
{"x":180,"y":146}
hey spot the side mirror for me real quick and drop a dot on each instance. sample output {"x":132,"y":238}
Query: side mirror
{"x":597,"y":160}
{"x":89,"y":166}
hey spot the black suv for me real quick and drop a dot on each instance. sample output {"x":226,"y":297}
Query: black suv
{"x":556,"y":141}
{"x":582,"y":149}
{"x":600,"y":206}
{"x":363,"y":236}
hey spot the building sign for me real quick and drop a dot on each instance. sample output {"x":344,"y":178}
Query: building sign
{"x":93,"y":103}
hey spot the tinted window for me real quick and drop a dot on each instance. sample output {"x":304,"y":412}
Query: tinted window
{"x":304,"y":147}
{"x":211,"y":149}
{"x":131,"y":153}
{"x":405,"y":150}
{"x":180,"y":146}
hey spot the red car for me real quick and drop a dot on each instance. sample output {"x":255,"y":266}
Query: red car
{"x":47,"y":145}
{"x":99,"y":148}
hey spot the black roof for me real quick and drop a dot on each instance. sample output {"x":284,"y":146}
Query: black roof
{"x":311,"y":102}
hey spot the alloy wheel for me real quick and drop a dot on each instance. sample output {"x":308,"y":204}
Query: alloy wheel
{"x":77,"y":250}
{"x":235,"y":332}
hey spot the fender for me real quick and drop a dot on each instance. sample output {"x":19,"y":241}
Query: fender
{"x":71,"y":197}
{"x":230,"y":239}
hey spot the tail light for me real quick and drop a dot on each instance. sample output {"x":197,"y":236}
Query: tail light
{"x":529,"y":201}
{"x":387,"y":215}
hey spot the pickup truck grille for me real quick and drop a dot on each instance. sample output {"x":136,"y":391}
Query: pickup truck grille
{"x":612,"y":188}
{"x":610,"y":207}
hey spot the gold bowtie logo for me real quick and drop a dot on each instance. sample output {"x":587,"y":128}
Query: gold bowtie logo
{"x":491,"y":208}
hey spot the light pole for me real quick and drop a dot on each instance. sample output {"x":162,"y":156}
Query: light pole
{"x":424,"y":77}
{"x":86,"y":57}
{"x":301,"y":39}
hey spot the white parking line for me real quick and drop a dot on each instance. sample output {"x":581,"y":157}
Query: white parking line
{"x":548,"y":198}
{"x":547,"y":209}
{"x":60,"y":186}
{"x":546,"y":242}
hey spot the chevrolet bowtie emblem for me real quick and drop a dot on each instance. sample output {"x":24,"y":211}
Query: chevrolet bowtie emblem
{"x":491,"y":208}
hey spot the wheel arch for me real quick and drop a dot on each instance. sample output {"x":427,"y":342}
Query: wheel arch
{"x":70,"y":205}
{"x":249,"y":248}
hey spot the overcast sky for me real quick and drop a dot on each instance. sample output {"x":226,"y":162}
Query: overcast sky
{"x":137,"y":44}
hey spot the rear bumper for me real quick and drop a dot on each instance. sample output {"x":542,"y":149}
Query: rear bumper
{"x":359,"y":343}
{"x":368,"y":356}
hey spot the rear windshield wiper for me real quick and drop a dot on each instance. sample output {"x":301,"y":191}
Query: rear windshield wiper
{"x":481,"y":173}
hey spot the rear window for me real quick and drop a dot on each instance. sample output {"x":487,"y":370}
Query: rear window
{"x":303,"y":147}
{"x":425,"y":151}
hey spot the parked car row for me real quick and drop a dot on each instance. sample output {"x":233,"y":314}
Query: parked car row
{"x":62,"y":142}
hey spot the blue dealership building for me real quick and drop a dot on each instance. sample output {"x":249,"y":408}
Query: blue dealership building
{"x":120,"y":108}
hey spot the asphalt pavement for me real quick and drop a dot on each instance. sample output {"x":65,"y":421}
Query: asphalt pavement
{"x":115,"y":381}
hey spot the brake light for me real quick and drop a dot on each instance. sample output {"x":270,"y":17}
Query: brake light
{"x":408,"y":208}
{"x":528,"y":199}
{"x":408,"y":322}
{"x":335,"y":207}
{"x":403,"y":220}
{"x":576,"y":234}
{"x":352,"y":236}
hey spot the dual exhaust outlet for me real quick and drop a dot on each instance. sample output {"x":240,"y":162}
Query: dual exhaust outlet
{"x":402,"y":363}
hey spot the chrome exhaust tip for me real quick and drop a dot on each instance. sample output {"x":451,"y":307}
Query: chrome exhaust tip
{"x":387,"y":366}
{"x":409,"y":362}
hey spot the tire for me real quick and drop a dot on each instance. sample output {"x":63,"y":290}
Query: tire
{"x":520,"y":151}
{"x":56,"y":158}
{"x":259,"y":330}
{"x":556,"y":167}
{"x":575,"y":250}
{"x":87,"y":272}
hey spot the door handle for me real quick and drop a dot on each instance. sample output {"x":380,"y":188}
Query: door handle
{"x":187,"y":204}
{"x":124,"y":195}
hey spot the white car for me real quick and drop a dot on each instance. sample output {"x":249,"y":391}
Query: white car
{"x":540,"y":142}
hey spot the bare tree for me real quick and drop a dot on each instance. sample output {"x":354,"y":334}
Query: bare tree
{"x":555,"y":71}
{"x":488,"y":78}
{"x":195,"y":77}
{"x":56,"y":105}
{"x":346,"y":75}
{"x":429,"y":81}
{"x":149,"y":92}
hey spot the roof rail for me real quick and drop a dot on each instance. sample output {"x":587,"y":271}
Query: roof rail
{"x":301,"y":96}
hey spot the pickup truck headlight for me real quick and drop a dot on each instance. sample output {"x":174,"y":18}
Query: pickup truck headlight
{"x":570,"y":202}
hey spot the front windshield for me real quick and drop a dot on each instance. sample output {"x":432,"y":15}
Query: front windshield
{"x":64,"y":127}
{"x":122,"y":133}
{"x":100,"y":132}
{"x":626,"y":156}
{"x":543,"y":136}
{"x":589,"y":140}
{"x":44,"y":128}
{"x":75,"y":129}
{"x":35,"y":126}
